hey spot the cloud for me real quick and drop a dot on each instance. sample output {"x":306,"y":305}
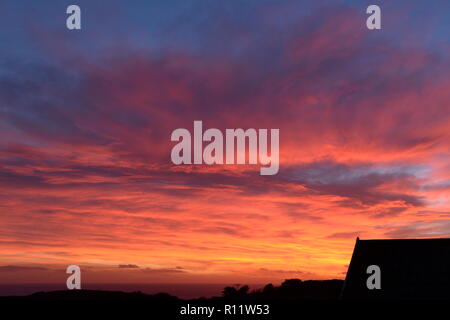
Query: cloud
{"x":419,"y":229}
{"x":164,"y":270}
{"x":288,"y":273}
{"x":360,"y":183}
{"x":344,"y":235}
{"x":16,"y":268}
{"x":128,"y":266}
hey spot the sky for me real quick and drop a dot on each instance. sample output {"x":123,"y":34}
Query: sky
{"x":86,"y":117}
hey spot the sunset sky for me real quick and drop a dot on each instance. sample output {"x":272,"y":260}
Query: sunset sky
{"x":86,"y":117}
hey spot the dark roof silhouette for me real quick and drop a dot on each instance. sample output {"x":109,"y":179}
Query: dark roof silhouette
{"x":410,"y":269}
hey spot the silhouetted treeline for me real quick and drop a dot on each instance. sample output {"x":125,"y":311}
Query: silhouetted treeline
{"x":290,"y":288}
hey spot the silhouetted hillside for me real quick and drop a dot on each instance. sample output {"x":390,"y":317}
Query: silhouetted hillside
{"x":291,"y":288}
{"x":100,"y":295}
{"x":293,"y":299}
